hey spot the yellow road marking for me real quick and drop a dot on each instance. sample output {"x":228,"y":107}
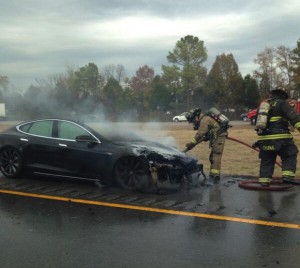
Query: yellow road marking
{"x":157,"y":210}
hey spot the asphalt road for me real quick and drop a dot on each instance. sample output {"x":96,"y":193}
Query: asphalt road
{"x":52,"y":223}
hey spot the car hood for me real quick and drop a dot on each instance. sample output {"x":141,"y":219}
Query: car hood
{"x":156,"y":151}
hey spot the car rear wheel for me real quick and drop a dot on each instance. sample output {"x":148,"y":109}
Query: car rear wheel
{"x":10,"y":162}
{"x":176,"y":120}
{"x":132,"y":173}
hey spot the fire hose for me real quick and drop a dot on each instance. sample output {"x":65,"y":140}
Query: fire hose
{"x":254,"y":184}
{"x":277,"y":185}
{"x":250,"y":146}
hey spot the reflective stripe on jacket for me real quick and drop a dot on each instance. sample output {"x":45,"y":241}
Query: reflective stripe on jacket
{"x":280,"y":117}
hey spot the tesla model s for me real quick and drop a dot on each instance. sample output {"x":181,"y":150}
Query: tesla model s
{"x":69,"y":149}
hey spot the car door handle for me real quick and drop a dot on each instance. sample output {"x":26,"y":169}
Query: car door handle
{"x":63,"y":145}
{"x":22,"y":139}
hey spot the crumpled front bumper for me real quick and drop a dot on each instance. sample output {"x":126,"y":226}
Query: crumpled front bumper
{"x":169,"y":174}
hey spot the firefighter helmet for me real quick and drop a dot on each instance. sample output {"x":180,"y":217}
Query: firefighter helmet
{"x":190,"y":116}
{"x":280,"y":93}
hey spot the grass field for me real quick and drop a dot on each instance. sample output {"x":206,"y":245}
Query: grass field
{"x":238,"y":159}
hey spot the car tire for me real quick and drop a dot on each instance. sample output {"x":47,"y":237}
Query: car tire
{"x":176,"y":120}
{"x":132,"y":173}
{"x":10,"y":162}
{"x":245,"y":119}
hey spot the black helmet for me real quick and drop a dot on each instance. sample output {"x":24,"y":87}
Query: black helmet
{"x":190,"y":116}
{"x":279,"y":93}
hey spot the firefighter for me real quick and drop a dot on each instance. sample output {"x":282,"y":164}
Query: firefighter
{"x":211,"y":126}
{"x":274,"y":137}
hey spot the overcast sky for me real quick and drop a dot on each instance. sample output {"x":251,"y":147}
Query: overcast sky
{"x":40,"y":38}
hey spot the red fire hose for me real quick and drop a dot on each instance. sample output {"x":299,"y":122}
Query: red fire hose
{"x":248,"y":145}
{"x":276,"y":184}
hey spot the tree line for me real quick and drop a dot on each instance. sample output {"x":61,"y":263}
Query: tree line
{"x":183,"y":84}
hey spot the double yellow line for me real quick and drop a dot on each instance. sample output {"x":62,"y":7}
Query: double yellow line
{"x":156,"y":210}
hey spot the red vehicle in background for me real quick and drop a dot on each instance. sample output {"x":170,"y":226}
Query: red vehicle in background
{"x":251,"y":115}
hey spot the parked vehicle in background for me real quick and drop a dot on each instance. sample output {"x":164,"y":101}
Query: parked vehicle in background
{"x":251,"y":115}
{"x":244,"y":117}
{"x":2,"y":112}
{"x":180,"y":118}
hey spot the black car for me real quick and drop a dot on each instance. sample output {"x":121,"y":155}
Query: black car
{"x":69,"y":149}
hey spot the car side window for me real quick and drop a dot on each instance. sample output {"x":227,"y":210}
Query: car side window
{"x":39,"y":128}
{"x":69,"y":131}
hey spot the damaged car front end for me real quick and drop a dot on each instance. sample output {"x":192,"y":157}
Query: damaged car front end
{"x":164,"y":167}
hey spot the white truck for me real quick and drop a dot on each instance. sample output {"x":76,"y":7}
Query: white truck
{"x":2,"y":112}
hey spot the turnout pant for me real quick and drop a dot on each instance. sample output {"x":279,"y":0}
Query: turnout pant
{"x":287,"y":151}
{"x":216,"y":155}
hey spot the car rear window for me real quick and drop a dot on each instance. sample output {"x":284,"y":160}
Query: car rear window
{"x":40,"y":128}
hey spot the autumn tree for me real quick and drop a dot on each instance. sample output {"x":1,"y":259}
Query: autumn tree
{"x":142,"y":80}
{"x":141,"y":89}
{"x":187,"y":73}
{"x":224,"y":83}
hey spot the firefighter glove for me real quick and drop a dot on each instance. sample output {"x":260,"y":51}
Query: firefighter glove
{"x":206,"y":137}
{"x":190,"y":146}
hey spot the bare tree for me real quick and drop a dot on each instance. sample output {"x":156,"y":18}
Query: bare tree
{"x":284,"y":63}
{"x":296,"y":68}
{"x":116,"y":72}
{"x":267,"y":76}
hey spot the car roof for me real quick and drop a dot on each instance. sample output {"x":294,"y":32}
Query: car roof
{"x":77,"y":122}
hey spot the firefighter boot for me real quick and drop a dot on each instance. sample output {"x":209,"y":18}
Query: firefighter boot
{"x":265,"y":182}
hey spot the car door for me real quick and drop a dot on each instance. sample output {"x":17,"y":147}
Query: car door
{"x":38,"y":145}
{"x":78,"y":159}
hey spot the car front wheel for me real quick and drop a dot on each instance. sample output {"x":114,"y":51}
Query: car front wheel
{"x":10,"y":162}
{"x":132,"y":173}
